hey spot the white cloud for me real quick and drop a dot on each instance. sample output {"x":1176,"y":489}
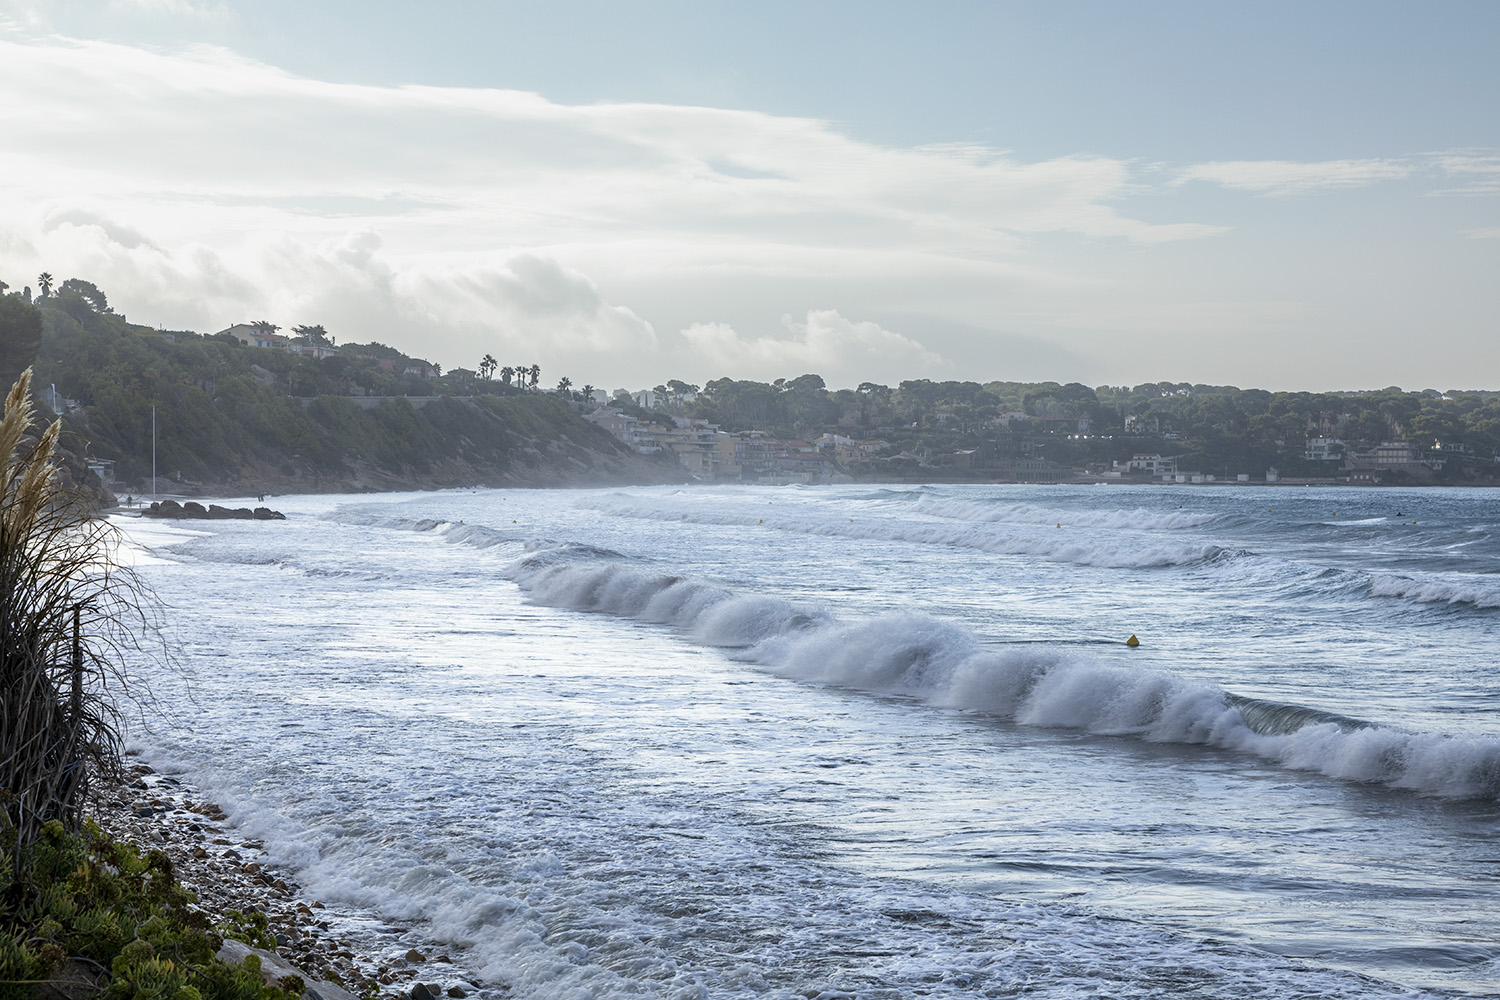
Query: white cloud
{"x":1285,"y":177}
{"x":1476,"y":173}
{"x":825,"y":343}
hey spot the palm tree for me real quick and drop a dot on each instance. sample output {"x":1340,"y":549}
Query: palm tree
{"x":536,"y":374}
{"x":521,"y":376}
{"x":44,"y":282}
{"x":487,"y":365}
{"x":564,"y":384}
{"x":264,"y":326}
{"x":505,"y":374}
{"x":587,"y":392}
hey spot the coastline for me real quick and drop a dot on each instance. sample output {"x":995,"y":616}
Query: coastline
{"x":226,"y":871}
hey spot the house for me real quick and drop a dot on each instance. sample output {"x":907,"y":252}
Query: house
{"x":1324,"y":449}
{"x":247,"y":334}
{"x":310,"y":350}
{"x":1152,"y":464}
{"x":626,"y":428}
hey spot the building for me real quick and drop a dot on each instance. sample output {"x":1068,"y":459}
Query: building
{"x":248,"y":334}
{"x":1153,"y":465}
{"x":1324,"y":449}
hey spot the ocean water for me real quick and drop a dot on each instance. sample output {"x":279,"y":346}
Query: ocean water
{"x":859,"y":741}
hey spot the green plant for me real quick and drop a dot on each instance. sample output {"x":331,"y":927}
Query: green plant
{"x":67,"y":613}
{"x":103,"y":901}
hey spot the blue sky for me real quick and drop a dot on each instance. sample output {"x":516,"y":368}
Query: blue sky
{"x":1283,"y":195}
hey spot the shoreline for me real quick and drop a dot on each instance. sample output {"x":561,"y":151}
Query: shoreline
{"x":226,"y":871}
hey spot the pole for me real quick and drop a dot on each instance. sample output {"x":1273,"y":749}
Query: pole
{"x":153,"y":453}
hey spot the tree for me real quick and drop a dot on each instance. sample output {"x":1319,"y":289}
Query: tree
{"x":564,"y":385}
{"x":44,"y":282}
{"x":264,"y":326}
{"x":315,"y":334}
{"x":87,"y":291}
{"x":20,"y":337}
{"x":506,"y":374}
{"x":536,"y":375}
{"x":587,"y":392}
{"x":487,"y":366}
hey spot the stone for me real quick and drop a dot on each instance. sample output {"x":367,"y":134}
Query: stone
{"x":422,"y":991}
{"x":274,"y":968}
{"x":415,"y":956}
{"x":457,"y":992}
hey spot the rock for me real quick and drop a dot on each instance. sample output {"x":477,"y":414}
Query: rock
{"x":274,"y":968}
{"x":266,"y":514}
{"x":227,"y":514}
{"x":457,"y":992}
{"x":425,"y":991}
{"x":415,"y":956}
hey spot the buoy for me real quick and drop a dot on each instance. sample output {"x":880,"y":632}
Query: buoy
{"x":762,"y":521}
{"x":1059,"y":526}
{"x":1132,"y":642}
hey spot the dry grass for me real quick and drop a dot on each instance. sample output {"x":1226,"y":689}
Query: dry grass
{"x":69,"y":614}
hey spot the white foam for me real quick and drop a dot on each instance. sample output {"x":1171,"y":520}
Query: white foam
{"x":1455,"y":588}
{"x":1066,"y":541}
{"x":921,"y":657}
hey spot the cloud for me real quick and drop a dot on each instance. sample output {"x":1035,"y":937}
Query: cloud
{"x":1287,"y":178}
{"x":825,"y":343}
{"x":1492,"y":233}
{"x":1477,"y":173}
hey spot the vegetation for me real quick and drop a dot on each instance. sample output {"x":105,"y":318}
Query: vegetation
{"x":67,"y":614}
{"x":1213,"y":428}
{"x":265,"y":418}
{"x":94,"y":911}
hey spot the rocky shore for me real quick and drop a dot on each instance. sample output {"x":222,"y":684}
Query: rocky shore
{"x":227,"y":872}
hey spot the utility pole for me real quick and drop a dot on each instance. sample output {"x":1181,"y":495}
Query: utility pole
{"x":153,"y":453}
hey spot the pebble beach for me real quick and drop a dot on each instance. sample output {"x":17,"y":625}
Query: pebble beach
{"x":228,"y":872}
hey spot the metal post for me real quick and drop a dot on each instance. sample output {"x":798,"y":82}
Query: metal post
{"x":153,"y":453}
{"x":77,"y":666}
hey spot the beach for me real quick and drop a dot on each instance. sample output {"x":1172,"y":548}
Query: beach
{"x":229,"y":872}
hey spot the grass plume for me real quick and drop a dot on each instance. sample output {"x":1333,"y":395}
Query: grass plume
{"x":68,"y":615}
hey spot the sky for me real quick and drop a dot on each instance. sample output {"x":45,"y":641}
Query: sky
{"x":1284,"y":195}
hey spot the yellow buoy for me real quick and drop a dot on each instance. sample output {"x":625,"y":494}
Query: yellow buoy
{"x":1132,"y":642}
{"x":1059,"y":526}
{"x":762,"y":520}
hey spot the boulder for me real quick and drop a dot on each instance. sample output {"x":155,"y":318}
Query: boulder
{"x":228,"y":514}
{"x":274,"y":968}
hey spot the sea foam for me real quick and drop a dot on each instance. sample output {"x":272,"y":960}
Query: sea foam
{"x":917,"y":656}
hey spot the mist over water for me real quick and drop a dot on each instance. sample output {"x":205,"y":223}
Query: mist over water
{"x":865,"y":742}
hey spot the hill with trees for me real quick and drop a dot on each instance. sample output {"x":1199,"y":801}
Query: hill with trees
{"x":1222,"y":430}
{"x":298,"y":417}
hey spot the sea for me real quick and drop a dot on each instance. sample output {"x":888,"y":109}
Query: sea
{"x":858,"y":741}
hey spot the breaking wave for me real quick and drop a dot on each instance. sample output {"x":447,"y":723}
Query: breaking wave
{"x":917,"y":656}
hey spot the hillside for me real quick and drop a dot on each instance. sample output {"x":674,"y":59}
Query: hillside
{"x":232,"y":418}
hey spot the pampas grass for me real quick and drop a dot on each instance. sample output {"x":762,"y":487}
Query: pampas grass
{"x":69,"y":614}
